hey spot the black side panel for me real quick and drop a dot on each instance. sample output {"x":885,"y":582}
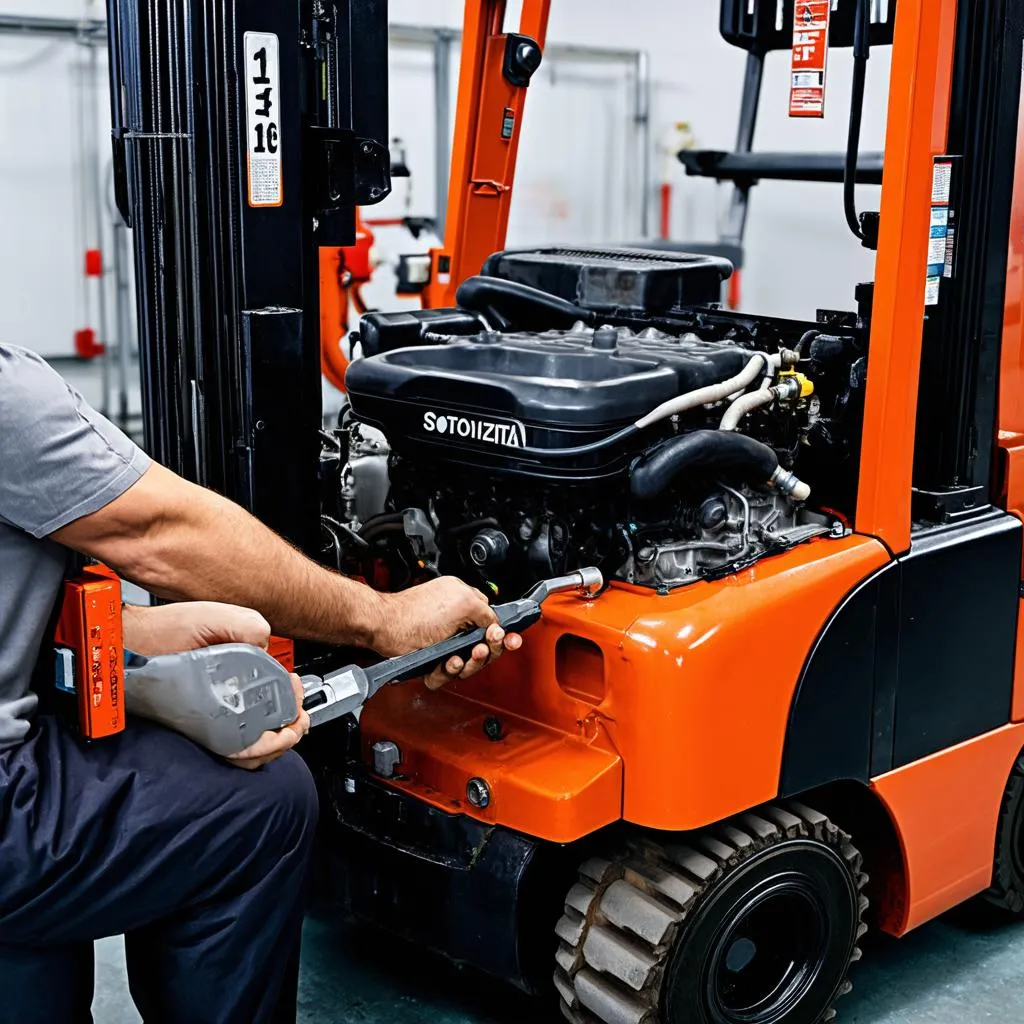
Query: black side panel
{"x":887,"y":645}
{"x":958,"y":634}
{"x":918,"y":658}
{"x":830,"y":724}
{"x":274,"y":432}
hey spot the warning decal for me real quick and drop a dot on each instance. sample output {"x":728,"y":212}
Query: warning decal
{"x":263,"y":102}
{"x":942,"y":180}
{"x":810,"y":58}
{"x":941,"y":235}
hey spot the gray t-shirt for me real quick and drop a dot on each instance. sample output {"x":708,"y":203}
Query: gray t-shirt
{"x":59,"y":460}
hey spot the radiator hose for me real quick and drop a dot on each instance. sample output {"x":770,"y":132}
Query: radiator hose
{"x":509,"y":304}
{"x":715,"y":450}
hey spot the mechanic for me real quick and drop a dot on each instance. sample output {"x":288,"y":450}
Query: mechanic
{"x":199,"y":864}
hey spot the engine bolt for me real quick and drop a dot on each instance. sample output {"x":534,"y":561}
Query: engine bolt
{"x":478,"y":793}
{"x":492,"y":728}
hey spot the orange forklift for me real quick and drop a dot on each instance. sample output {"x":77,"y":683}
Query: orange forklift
{"x":795,"y":711}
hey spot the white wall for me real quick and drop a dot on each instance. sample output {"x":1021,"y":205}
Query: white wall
{"x":48,"y":119}
{"x":800,"y":254}
{"x":573,"y":170}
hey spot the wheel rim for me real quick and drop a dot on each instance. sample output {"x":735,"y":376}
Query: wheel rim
{"x":768,"y":954}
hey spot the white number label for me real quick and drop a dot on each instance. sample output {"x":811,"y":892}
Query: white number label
{"x":263,"y":100}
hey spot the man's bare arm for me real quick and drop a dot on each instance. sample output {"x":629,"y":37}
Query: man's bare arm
{"x":181,"y":541}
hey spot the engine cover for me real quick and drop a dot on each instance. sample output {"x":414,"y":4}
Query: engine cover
{"x":481,"y":400}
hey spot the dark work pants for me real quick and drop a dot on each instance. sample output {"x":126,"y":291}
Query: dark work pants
{"x":200,"y":865}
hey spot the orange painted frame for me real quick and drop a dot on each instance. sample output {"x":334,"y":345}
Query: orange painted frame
{"x":946,"y":811}
{"x":483,"y":162}
{"x":919,"y":95}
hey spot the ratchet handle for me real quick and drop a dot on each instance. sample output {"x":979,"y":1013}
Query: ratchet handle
{"x":512,"y":617}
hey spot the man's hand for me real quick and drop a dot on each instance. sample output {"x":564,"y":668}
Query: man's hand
{"x":271,"y":745}
{"x":434,"y":611}
{"x":188,"y":625}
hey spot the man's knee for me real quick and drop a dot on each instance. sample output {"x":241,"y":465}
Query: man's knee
{"x":290,"y":800}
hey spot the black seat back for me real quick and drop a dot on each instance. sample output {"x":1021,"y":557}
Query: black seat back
{"x":760,"y":26}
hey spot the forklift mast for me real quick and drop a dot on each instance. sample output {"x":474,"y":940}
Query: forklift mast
{"x":245,"y":133}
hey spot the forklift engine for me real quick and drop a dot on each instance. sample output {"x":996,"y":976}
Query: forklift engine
{"x":593,"y":408}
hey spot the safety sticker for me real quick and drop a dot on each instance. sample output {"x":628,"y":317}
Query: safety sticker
{"x":810,"y":58}
{"x":263,"y":102}
{"x":941,"y":233}
{"x":942,"y":182}
{"x":937,"y":253}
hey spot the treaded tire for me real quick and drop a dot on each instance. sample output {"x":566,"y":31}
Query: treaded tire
{"x":1007,"y":890}
{"x":630,"y":918}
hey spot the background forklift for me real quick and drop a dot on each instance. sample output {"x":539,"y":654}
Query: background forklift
{"x":688,"y":802}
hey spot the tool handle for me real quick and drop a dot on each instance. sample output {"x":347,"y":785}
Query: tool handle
{"x":223,"y":697}
{"x":512,"y":617}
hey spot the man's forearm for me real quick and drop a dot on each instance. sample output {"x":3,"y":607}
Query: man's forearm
{"x":220,"y":552}
{"x":181,"y":541}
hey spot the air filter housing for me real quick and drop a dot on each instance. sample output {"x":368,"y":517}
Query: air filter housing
{"x":637,"y":280}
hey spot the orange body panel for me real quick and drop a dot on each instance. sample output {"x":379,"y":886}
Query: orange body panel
{"x":918,"y":117}
{"x":90,"y":626}
{"x":946,"y":809}
{"x":692,"y":691}
{"x":282,"y":651}
{"x":333,"y":317}
{"x":342,"y":272}
{"x":1011,"y":371}
{"x":557,"y":785}
{"x":483,"y":155}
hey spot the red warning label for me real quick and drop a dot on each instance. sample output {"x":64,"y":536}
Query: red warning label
{"x":810,"y":58}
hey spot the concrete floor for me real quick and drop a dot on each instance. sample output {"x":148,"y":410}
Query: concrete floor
{"x":963,"y":969}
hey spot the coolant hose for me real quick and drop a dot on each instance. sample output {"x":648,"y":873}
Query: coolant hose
{"x":746,"y":404}
{"x":717,"y":450}
{"x":509,"y":304}
{"x":761,"y":363}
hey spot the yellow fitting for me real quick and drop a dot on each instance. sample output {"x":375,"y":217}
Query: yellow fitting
{"x":806,"y":384}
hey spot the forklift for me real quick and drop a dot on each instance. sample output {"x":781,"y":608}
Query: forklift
{"x":795,"y":709}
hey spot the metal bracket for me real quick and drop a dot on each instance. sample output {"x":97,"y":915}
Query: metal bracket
{"x":522,"y":58}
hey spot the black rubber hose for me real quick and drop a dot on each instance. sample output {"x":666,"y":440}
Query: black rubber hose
{"x":509,"y":304}
{"x":861,"y":52}
{"x":805,"y":338}
{"x":718,"y":450}
{"x":584,"y":449}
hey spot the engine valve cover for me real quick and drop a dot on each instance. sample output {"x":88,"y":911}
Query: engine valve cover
{"x":484,"y":398}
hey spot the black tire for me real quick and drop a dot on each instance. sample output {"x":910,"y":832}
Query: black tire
{"x":1007,"y":890}
{"x":752,"y":922}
